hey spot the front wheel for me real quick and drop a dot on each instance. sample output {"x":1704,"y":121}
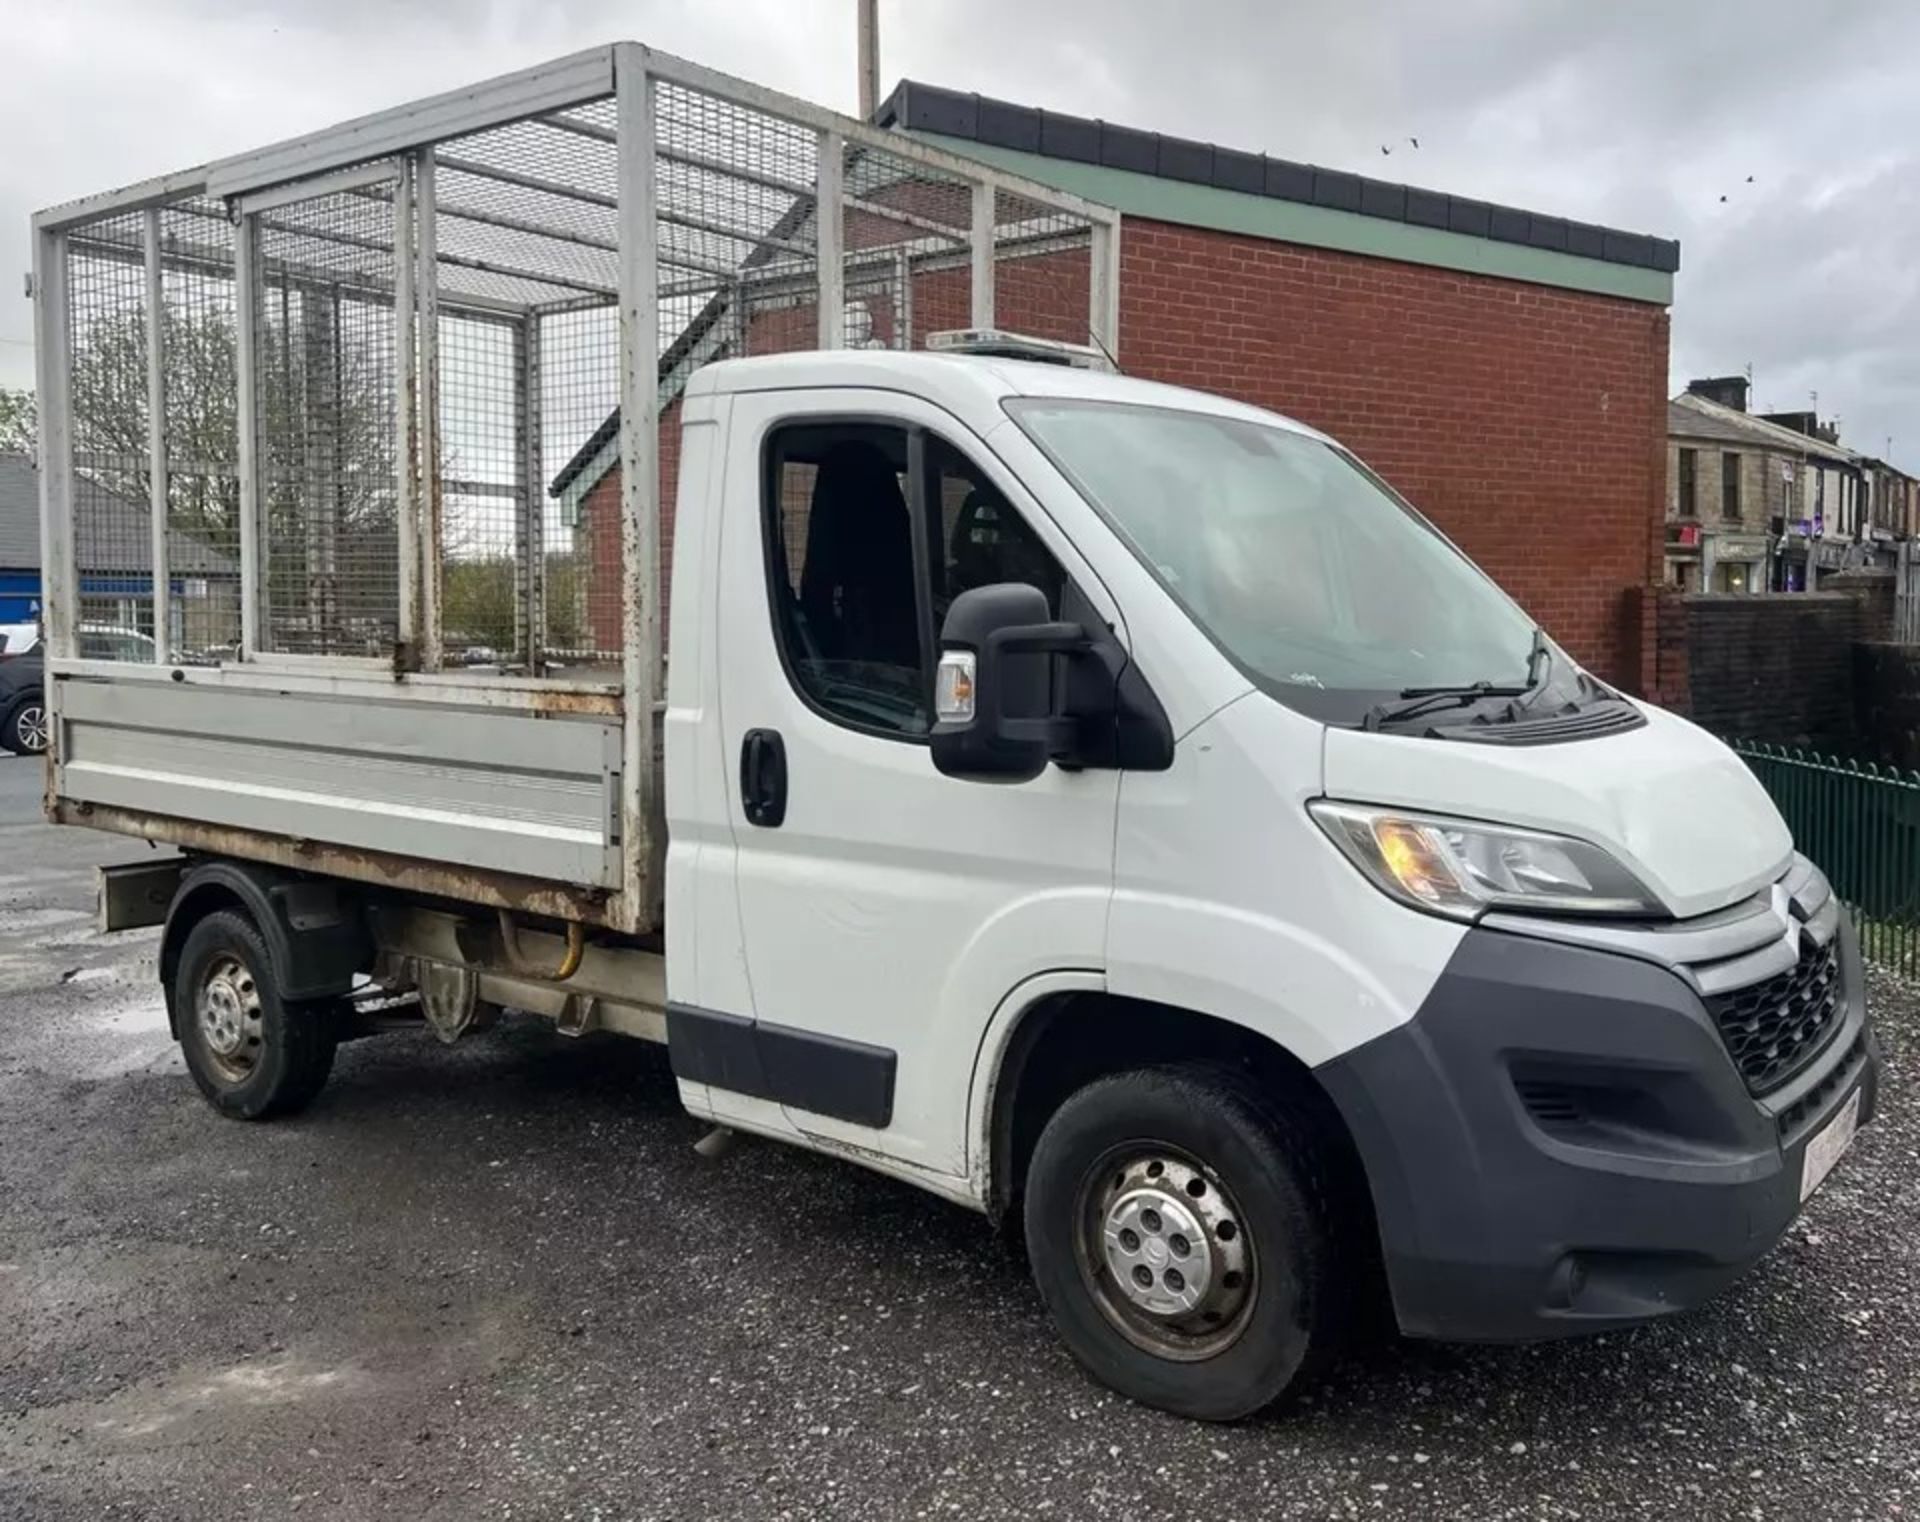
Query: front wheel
{"x":1180,"y":1227}
{"x":253,"y":1055}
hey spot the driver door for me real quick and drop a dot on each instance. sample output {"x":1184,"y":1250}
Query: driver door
{"x":886,"y":910}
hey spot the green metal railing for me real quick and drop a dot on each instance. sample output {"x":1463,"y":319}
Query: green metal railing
{"x":1860,"y":824}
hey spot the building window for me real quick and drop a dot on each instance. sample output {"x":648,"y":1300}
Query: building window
{"x":1689,"y":483}
{"x":1730,"y":486}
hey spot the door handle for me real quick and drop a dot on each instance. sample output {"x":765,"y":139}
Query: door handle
{"x":763,"y":777}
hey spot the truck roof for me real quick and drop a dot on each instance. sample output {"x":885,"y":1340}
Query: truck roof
{"x":969,"y":386}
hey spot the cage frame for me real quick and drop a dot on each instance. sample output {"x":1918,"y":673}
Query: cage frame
{"x":394,"y":153}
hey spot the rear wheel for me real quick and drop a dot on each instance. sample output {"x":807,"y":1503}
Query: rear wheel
{"x":1181,"y":1232}
{"x":253,"y":1055}
{"x":26,"y":730}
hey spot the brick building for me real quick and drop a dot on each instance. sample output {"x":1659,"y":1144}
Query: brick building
{"x":1506,"y":370}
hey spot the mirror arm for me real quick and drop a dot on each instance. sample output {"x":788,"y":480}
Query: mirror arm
{"x":1056,"y":732}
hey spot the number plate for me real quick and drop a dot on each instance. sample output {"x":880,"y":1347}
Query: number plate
{"x":1829,"y":1146}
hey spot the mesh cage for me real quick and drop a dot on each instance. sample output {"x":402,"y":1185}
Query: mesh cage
{"x":530,"y":547}
{"x":735,"y":225}
{"x":325,"y":375}
{"x":907,"y":235}
{"x":484,"y":544}
{"x":1042,"y":269}
{"x":202,"y":452}
{"x":578,"y":559}
{"x":112,"y":526}
{"x":515,"y":475}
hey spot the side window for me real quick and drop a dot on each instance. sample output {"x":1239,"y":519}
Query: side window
{"x":841,"y":562}
{"x":980,"y":539}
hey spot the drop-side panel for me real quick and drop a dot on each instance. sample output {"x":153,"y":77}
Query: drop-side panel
{"x":535,"y":795}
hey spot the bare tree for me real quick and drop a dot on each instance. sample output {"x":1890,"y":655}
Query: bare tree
{"x":19,"y":422}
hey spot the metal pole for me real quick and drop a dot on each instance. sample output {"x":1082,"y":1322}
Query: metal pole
{"x":532,"y":493}
{"x":59,"y":583}
{"x":247,"y":435}
{"x":157,"y":440}
{"x":427,"y":298}
{"x":1103,"y":287}
{"x":643,"y":835}
{"x":982,"y":307}
{"x":869,"y":58}
{"x":828,"y":234}
{"x":406,"y":406}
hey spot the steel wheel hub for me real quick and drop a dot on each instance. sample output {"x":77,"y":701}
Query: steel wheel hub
{"x":1162,"y":1244}
{"x":229,"y":1016}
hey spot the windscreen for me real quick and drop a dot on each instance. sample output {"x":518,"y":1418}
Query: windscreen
{"x":1312,"y":577}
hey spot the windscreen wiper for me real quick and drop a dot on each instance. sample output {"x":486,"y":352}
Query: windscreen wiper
{"x":1419,"y":700}
{"x":1539,"y":658}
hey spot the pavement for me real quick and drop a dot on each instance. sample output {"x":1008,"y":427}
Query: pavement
{"x":495,"y":1281}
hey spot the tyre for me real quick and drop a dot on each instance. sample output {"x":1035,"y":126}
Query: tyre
{"x":254,"y":1055}
{"x":1182,"y":1231}
{"x":25,"y":731}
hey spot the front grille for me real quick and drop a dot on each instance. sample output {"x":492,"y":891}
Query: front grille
{"x":1775,"y":1028}
{"x":1802,"y":1112}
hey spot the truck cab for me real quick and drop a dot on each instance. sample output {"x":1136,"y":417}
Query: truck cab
{"x":1289,"y":821}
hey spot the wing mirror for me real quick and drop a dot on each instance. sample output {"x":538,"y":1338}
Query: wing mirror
{"x":999,"y":690}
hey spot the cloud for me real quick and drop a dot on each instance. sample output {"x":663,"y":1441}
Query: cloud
{"x":1632,"y":113}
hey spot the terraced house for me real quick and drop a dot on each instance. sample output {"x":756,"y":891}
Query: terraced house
{"x":1770,"y":502}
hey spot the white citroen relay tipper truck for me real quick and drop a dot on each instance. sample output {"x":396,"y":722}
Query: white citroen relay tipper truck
{"x":1105,"y":805}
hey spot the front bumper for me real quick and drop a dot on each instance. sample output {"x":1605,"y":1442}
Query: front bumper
{"x":1559,"y":1142}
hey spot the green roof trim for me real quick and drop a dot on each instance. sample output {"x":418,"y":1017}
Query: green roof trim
{"x":1194,"y":205}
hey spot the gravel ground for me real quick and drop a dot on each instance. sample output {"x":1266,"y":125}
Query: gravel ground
{"x":495,"y":1281}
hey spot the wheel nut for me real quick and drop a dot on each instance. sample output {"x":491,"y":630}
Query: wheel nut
{"x":1180,"y":1245}
{"x":1130,"y":1239}
{"x":1176,"y":1281}
{"x":1143,"y":1276}
{"x":1150,"y":1219}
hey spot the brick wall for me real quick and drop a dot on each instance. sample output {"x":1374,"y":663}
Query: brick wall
{"x":1528,"y":422}
{"x":1886,"y":702}
{"x":1776,"y":668}
{"x":600,"y":533}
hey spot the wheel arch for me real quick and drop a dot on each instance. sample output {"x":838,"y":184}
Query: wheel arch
{"x":315,"y":929}
{"x":1063,"y":1037}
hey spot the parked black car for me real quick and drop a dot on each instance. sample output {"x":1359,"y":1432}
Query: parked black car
{"x":23,"y":704}
{"x":24,"y":729}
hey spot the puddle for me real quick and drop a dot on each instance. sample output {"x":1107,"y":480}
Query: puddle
{"x":204,"y":1400}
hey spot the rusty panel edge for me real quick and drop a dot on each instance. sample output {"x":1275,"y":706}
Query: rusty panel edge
{"x":405,"y":874}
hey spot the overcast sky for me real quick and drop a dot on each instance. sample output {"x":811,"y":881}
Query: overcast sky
{"x":1636,"y":114}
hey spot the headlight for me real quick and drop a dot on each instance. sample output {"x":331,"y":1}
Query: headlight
{"x":1461,"y":868}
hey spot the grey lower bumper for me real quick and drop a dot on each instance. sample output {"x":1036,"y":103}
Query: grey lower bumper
{"x":1560,"y":1143}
